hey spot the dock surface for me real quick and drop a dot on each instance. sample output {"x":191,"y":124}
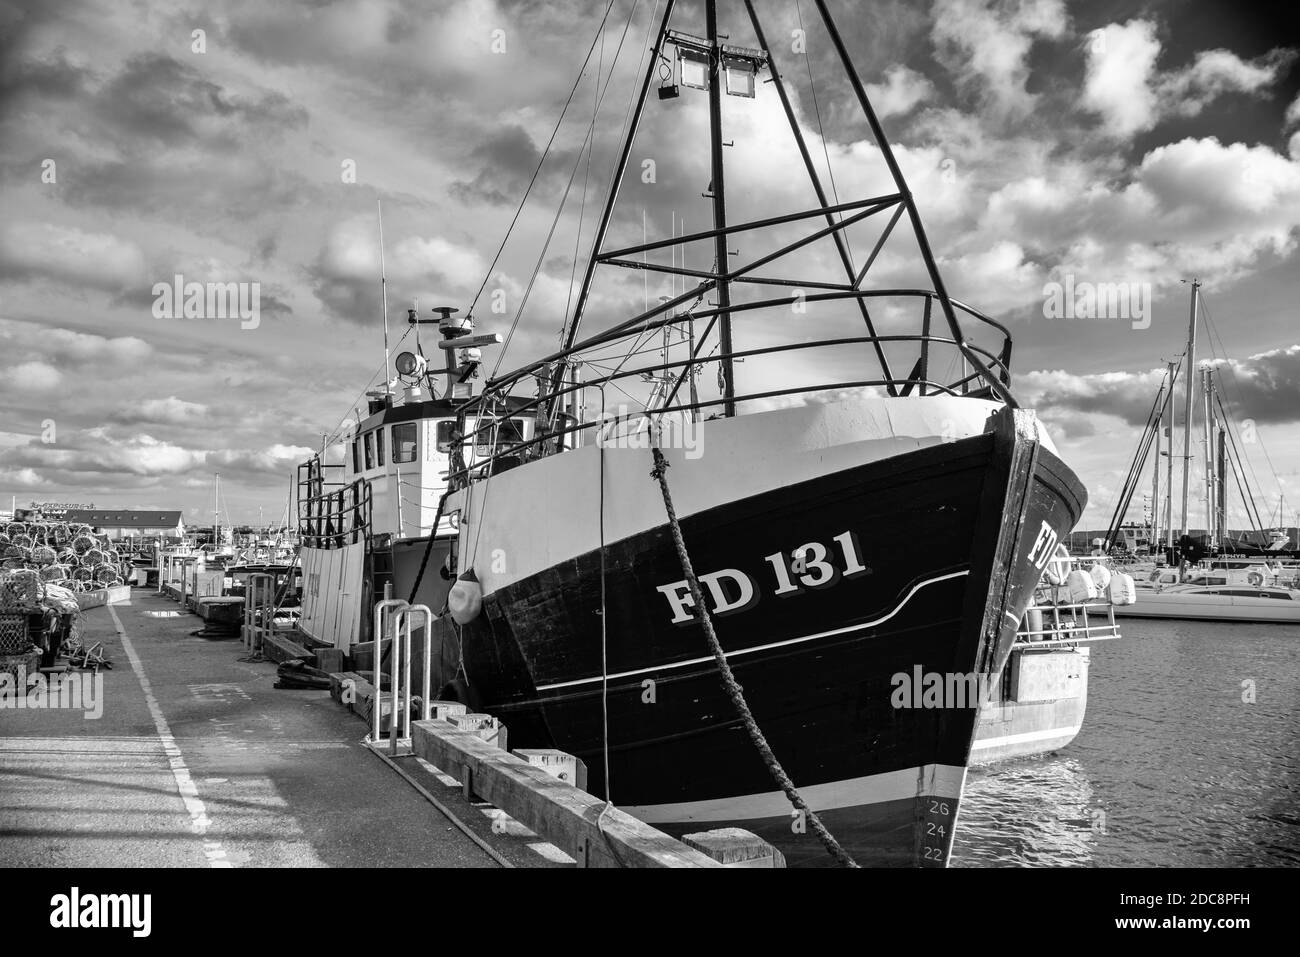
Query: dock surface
{"x":197,"y":761}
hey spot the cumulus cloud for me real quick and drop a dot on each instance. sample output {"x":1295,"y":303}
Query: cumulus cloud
{"x":22,"y":478}
{"x":1125,"y":89}
{"x":346,"y":271}
{"x":168,"y":411}
{"x":80,"y":347}
{"x":903,"y":89}
{"x":34,"y":377}
{"x":1264,"y":387}
{"x":65,"y":253}
{"x":100,"y":455}
{"x":157,"y":97}
{"x":986,"y":44}
{"x":1196,"y":206}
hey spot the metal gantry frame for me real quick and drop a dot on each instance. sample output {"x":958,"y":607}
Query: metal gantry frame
{"x":994,"y":375}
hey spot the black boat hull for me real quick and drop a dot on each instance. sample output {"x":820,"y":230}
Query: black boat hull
{"x":924,"y":565}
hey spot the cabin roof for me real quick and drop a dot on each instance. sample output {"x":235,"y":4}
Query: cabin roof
{"x":123,"y":517}
{"x":428,"y":409}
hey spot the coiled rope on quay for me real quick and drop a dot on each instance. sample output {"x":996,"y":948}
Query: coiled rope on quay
{"x":733,"y":688}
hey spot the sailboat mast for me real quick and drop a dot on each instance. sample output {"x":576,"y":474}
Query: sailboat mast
{"x":1189,"y":365}
{"x":1210,"y":518}
{"x":216,"y":510}
{"x":720,"y":209}
{"x":1169,"y":464}
{"x":1155,"y":473}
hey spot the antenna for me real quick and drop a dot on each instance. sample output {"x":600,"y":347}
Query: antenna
{"x":383,"y":285}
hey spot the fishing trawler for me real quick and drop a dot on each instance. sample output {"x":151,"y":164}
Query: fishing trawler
{"x":572,"y":558}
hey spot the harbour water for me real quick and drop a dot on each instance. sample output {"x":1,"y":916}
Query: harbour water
{"x":1172,"y":767}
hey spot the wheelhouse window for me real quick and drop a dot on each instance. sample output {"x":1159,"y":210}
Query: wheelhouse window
{"x":356,"y":455}
{"x":446,"y":428}
{"x":370,"y":450}
{"x":379,"y":446}
{"x":508,"y":432}
{"x":405,"y":442}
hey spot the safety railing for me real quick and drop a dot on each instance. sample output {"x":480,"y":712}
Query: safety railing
{"x":393,"y":623}
{"x":556,"y":429}
{"x":331,"y":515}
{"x":1054,"y":619}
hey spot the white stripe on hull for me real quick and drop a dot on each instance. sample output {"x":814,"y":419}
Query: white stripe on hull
{"x":1210,"y":608}
{"x":1026,"y":737}
{"x":932,"y":780}
{"x":861,"y":626}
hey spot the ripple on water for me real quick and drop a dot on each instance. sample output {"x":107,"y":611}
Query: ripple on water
{"x":1174,"y":765}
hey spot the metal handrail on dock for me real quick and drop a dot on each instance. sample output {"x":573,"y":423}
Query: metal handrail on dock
{"x":542,"y":789}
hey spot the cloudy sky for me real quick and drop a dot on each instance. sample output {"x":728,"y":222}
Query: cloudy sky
{"x":1046,"y":141}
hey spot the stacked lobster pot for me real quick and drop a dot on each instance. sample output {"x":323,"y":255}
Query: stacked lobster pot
{"x":69,"y":554}
{"x":36,"y":617}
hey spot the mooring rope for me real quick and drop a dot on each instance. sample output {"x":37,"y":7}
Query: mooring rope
{"x":734,"y":691}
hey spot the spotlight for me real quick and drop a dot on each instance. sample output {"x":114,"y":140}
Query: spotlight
{"x":408,"y":363}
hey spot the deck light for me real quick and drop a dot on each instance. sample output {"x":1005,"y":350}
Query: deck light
{"x":693,"y":68}
{"x":740,"y":76}
{"x":408,"y":363}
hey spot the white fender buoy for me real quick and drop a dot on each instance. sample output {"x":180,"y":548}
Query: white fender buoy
{"x":1101,"y":576}
{"x":1058,"y":569}
{"x":465,"y":600}
{"x":1123,"y":590}
{"x":1081,"y":587}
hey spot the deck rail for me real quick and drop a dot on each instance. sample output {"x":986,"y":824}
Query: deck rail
{"x":561,"y":393}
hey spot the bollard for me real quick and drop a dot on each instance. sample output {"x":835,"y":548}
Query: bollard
{"x":735,"y":847}
{"x":483,"y":726}
{"x":558,"y":764}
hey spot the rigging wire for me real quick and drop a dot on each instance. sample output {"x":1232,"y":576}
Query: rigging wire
{"x":1119,"y":505}
{"x":1214,"y":332}
{"x":624,"y":132}
{"x":338,"y":428}
{"x":600,"y":30}
{"x":812,"y":87}
{"x":588,"y":144}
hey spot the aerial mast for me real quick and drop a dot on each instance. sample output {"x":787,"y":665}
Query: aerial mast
{"x":1189,"y":365}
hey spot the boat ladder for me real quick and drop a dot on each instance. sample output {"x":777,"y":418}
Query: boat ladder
{"x":394,"y":623}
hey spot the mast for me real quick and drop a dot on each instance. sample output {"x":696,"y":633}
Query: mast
{"x":1211,"y":525}
{"x":1155,"y":477}
{"x":1221,"y":486}
{"x":720,"y":209}
{"x":1190,"y":361}
{"x":216,"y":511}
{"x":1169,"y":465}
{"x":383,"y":286}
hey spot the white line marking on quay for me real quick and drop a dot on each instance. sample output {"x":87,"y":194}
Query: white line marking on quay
{"x":199,"y":820}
